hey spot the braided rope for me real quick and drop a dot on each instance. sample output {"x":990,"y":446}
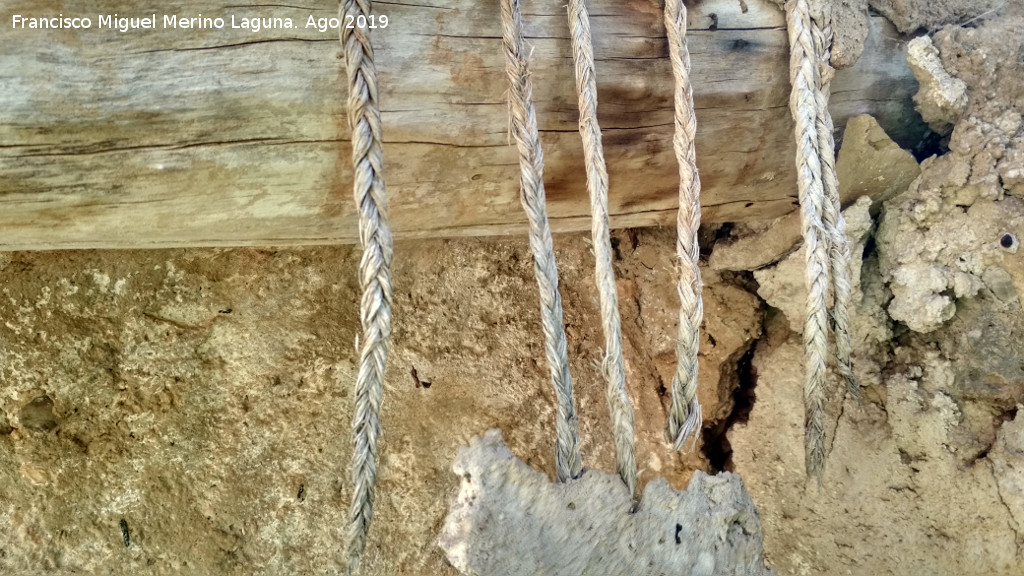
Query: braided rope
{"x":374,"y":272}
{"x":568,"y":462}
{"x":835,"y":224}
{"x":803,"y":106}
{"x":612,"y":367}
{"x":685,"y":414}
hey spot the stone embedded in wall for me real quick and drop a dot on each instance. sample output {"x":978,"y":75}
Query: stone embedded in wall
{"x":850,"y":24}
{"x":871,"y":164}
{"x":510,"y":520}
{"x":760,"y":249}
{"x":933,"y":252}
{"x":920,"y":297}
{"x":942,"y":99}
{"x":783,"y":285}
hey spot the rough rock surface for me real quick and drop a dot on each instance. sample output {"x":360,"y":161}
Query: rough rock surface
{"x":933,"y":253}
{"x":850,"y":27}
{"x":760,"y":249}
{"x":941,"y":99}
{"x":953,"y":234}
{"x":990,"y":140}
{"x":871,"y":164}
{"x":510,"y":520}
{"x":783,"y":286}
{"x":850,"y":24}
{"x":170,"y":412}
{"x":925,"y":473}
{"x":896,"y":499}
{"x":203,"y":396}
{"x":911,"y":15}
{"x":1007,"y":458}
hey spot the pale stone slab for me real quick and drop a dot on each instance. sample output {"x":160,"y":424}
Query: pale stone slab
{"x":510,"y":520}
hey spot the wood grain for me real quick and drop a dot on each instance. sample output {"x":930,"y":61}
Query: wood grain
{"x":172,"y":137}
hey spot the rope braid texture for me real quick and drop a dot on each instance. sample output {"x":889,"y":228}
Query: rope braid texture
{"x":374,"y":272}
{"x":568,"y":462}
{"x":612,"y":368}
{"x":835,"y":224}
{"x":826,"y":249}
{"x":822,"y":222}
{"x":685,"y":414}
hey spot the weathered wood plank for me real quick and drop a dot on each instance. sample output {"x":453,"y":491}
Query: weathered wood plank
{"x":174,"y":137}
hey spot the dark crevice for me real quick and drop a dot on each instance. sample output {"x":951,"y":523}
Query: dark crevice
{"x":615,"y":242}
{"x":932,"y":144}
{"x":419,"y":382}
{"x":717,"y":448}
{"x":709,"y":235}
{"x":724,"y":231}
{"x":662,"y":390}
{"x":870,"y":247}
{"x":1009,"y":415}
{"x":1001,"y":418}
{"x":742,"y":279}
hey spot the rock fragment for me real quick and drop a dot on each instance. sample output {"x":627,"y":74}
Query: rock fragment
{"x":871,"y":164}
{"x":761,"y":249}
{"x":942,"y":99}
{"x":850,"y":22}
{"x":510,"y":520}
{"x":782,"y":285}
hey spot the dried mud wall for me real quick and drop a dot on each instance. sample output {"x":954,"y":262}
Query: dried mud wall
{"x":202,"y":396}
{"x":926,"y":473}
{"x":187,"y":411}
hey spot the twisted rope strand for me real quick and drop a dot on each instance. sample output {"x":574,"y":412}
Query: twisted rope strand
{"x":803,"y":106}
{"x":835,"y":224}
{"x":568,"y":462}
{"x":612,"y":367}
{"x":374,"y":272}
{"x":685,"y":413}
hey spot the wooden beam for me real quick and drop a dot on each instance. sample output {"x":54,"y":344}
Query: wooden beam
{"x":220,"y":137}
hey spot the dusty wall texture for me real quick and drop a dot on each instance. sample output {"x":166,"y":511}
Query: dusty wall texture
{"x":187,"y":411}
{"x":926,"y":474}
{"x":203,"y":396}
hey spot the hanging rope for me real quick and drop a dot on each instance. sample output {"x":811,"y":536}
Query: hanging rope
{"x":803,"y":105}
{"x":568,"y":463}
{"x":374,"y":271}
{"x":612,"y":368}
{"x":835,"y":224}
{"x":684,"y":415}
